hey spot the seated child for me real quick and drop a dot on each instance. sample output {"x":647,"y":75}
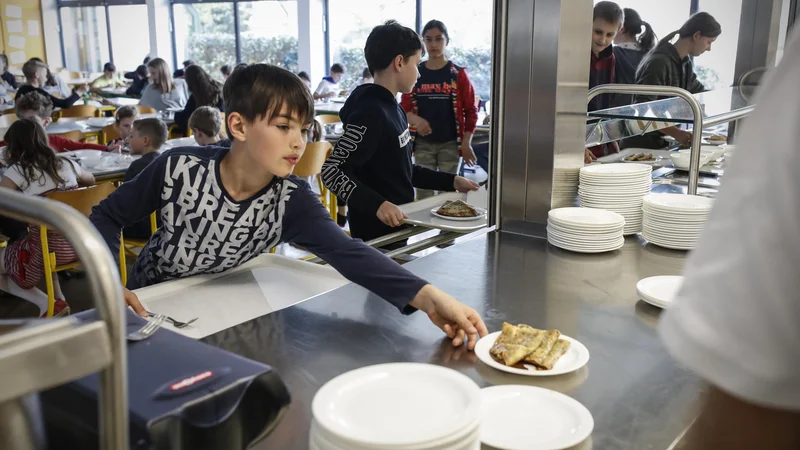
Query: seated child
{"x":109,"y":79}
{"x":206,"y":123}
{"x":123,"y":123}
{"x":35,"y":169}
{"x":36,"y":77}
{"x":140,"y":81}
{"x":223,"y":207}
{"x":146,"y":139}
{"x":38,"y":107}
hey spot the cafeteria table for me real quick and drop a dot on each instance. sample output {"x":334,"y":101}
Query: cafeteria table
{"x":327,"y":107}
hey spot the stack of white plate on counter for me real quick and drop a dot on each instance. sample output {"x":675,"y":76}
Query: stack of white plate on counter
{"x":565,"y":186}
{"x":619,"y":188}
{"x":397,"y":406}
{"x":585,"y":230}
{"x":675,"y":220}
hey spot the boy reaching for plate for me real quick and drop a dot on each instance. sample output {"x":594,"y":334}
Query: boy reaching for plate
{"x":221,"y":207}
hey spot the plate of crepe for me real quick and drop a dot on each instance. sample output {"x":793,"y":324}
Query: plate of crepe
{"x":524,"y":350}
{"x":458,"y":210}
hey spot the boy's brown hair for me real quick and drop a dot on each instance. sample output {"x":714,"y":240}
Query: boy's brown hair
{"x":206,"y":119}
{"x":30,"y":68}
{"x":126,"y":112}
{"x":34,"y":101}
{"x":610,"y":12}
{"x":154,"y":129}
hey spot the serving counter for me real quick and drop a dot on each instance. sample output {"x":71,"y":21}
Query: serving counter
{"x":639,"y":397}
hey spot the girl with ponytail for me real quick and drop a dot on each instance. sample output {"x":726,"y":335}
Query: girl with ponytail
{"x":669,"y":64}
{"x":635,"y":40}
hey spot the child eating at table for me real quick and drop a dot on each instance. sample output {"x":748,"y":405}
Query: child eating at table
{"x":222,"y":207}
{"x":329,"y":86}
{"x":123,"y":123}
{"x":37,"y":107}
{"x":146,"y":139}
{"x":36,"y":76}
{"x":370,"y":168}
{"x":109,"y":80}
{"x":34,"y":169}
{"x":206,"y":123}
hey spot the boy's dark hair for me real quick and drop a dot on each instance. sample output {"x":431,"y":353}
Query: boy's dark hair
{"x":304,"y":76}
{"x":34,"y":101}
{"x":225,"y":70}
{"x":261,"y":91}
{"x":610,"y":12}
{"x":126,"y":112}
{"x":206,"y":119}
{"x":146,"y":60}
{"x":142,"y":71}
{"x":154,"y":129}
{"x":366,"y":73}
{"x":188,"y":63}
{"x":436,"y":25}
{"x":387,"y":41}
{"x":30,"y":68}
{"x":337,"y":68}
{"x":109,"y":67}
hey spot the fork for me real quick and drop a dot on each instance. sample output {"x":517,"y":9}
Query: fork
{"x":153,"y":324}
{"x":176,"y":323}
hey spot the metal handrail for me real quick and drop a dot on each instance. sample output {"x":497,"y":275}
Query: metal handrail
{"x":106,"y":288}
{"x":667,"y":91}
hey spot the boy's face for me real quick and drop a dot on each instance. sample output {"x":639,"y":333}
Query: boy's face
{"x":125,"y":127}
{"x":409,"y":72}
{"x":603,"y":33}
{"x":337,"y":76}
{"x":32,"y":115}
{"x":138,"y":143}
{"x":435,"y":42}
{"x":276,"y":144}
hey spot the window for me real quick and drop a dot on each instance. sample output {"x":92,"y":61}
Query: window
{"x":350,"y":24}
{"x":470,"y":29}
{"x":274,"y":44}
{"x":85,"y":39}
{"x":204,"y":33}
{"x":715,"y":69}
{"x":129,"y":43}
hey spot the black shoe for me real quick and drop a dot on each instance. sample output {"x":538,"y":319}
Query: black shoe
{"x":341,"y":220}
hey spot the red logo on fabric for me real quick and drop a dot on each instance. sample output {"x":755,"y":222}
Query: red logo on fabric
{"x":186,"y":382}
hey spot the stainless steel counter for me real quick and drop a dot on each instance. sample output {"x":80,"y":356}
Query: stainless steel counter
{"x":639,"y":397}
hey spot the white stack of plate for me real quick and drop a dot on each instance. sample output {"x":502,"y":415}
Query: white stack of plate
{"x":565,"y":186}
{"x":618,"y":188}
{"x":439,"y":409}
{"x":585,"y":230}
{"x":675,"y":220}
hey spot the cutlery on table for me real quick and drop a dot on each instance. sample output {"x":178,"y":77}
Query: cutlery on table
{"x":154,"y":322}
{"x":175,"y":323}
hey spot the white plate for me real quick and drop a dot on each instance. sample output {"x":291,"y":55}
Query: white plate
{"x":80,"y":154}
{"x":679,"y":202}
{"x":579,"y":249}
{"x":604,"y":170}
{"x":582,"y":234}
{"x":587,"y":217}
{"x":365,"y":405}
{"x":659,"y":291}
{"x":481,"y":215}
{"x":586,"y":228}
{"x":99,"y":122}
{"x":576,"y":357}
{"x":533,"y":418}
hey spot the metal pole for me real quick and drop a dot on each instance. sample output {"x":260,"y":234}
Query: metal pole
{"x":667,"y":91}
{"x":108,"y":33}
{"x":236,"y":28}
{"x":499,"y":50}
{"x":106,"y":289}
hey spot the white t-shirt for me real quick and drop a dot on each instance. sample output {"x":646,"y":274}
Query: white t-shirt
{"x":326,"y":87}
{"x":69,"y":172}
{"x":736,"y":321}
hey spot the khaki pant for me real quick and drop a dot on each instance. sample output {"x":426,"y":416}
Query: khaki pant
{"x":441,"y":156}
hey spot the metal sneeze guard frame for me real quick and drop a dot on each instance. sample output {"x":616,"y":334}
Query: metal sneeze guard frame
{"x":106,"y":288}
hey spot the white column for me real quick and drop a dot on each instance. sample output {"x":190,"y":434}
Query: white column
{"x":52,"y":41}
{"x":311,"y":38}
{"x":159,"y":29}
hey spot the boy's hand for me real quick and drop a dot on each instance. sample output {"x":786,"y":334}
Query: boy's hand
{"x":457,"y":320}
{"x":588,"y":156}
{"x":462,"y":184}
{"x":115,"y":146}
{"x":390,"y":214}
{"x":82,"y":90}
{"x":468,"y":154}
{"x":133,"y":301}
{"x":423,"y":127}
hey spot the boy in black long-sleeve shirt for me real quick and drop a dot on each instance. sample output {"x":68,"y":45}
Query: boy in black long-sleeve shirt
{"x":222,"y":207}
{"x":370,"y":167}
{"x":36,"y":76}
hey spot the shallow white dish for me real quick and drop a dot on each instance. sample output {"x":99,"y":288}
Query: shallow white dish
{"x":586,"y":217}
{"x":679,"y":202}
{"x":365,"y":405}
{"x":576,"y":357}
{"x":604,"y":170}
{"x":481,"y":215}
{"x":99,"y":122}
{"x":659,"y":291}
{"x":533,"y":418}
{"x":81,"y":154}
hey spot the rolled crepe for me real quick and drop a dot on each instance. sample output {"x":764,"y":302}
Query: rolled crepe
{"x":559,"y":349}
{"x":540,"y":354}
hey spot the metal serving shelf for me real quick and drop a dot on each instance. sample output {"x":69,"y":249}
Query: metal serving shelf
{"x":39,"y":354}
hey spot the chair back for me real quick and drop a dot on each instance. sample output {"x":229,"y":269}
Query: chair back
{"x":80,"y":111}
{"x":83,"y":199}
{"x":74,"y":135}
{"x":313,"y":158}
{"x":7,"y":119}
{"x":146,"y":109}
{"x":328,"y":118}
{"x":108,"y":134}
